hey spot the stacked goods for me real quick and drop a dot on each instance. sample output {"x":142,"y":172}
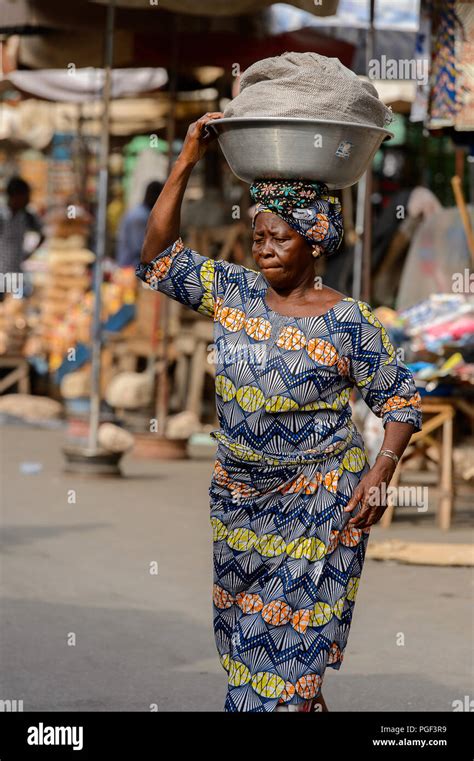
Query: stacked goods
{"x":121,"y":289}
{"x":68,"y":219}
{"x":65,"y":299}
{"x":310,"y":86}
{"x":62,"y":183}
{"x":63,"y":227}
{"x":68,"y":302}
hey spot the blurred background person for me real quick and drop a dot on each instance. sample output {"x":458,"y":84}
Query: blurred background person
{"x":16,"y":220}
{"x":132,"y":227}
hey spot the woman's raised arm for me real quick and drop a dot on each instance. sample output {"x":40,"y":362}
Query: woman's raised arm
{"x":164,"y":220}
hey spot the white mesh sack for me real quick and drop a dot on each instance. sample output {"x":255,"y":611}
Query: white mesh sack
{"x":310,"y":86}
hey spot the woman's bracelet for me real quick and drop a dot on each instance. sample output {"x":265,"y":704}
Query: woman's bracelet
{"x":388,"y":453}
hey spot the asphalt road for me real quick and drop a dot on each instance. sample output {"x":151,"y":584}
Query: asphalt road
{"x":85,"y":626}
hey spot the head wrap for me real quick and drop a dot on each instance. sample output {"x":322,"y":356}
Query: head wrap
{"x":305,"y":206}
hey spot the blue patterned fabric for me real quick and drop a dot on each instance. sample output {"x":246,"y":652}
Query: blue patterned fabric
{"x":286,"y":564}
{"x":307,"y":207}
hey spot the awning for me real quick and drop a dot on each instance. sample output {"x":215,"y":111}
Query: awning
{"x":33,"y":16}
{"x":144,"y":34}
{"x":229,"y":7}
{"x":82,"y":85}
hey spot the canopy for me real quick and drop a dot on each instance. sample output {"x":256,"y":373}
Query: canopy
{"x":144,"y":33}
{"x":229,"y":7}
{"x":82,"y":85}
{"x":31,"y":16}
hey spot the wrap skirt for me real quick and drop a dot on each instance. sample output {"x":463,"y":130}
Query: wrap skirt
{"x":286,"y":570}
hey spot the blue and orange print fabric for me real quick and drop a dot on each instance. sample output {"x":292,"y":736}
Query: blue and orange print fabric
{"x":286,"y":563}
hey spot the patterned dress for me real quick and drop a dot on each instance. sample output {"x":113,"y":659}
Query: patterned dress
{"x":286,"y":565}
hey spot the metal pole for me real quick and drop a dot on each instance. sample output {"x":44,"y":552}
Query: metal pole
{"x":366,"y":273}
{"x":361,"y":272}
{"x":370,"y":45}
{"x":359,"y":244}
{"x":101,"y":230}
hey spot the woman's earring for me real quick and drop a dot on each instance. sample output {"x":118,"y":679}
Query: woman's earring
{"x":317,"y":251}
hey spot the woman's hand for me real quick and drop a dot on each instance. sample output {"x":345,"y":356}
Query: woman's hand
{"x":164,"y":220}
{"x":196,"y":141}
{"x":371,"y":492}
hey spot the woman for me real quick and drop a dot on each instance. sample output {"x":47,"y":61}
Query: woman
{"x":291,"y":466}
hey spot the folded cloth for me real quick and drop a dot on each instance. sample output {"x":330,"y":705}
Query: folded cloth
{"x":306,"y":206}
{"x":307,"y":85}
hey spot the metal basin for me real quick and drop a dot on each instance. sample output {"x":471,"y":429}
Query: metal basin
{"x":336,"y":153}
{"x":81,"y":459}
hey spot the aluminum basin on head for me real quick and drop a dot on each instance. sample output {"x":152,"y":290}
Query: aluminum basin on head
{"x":334,"y":152}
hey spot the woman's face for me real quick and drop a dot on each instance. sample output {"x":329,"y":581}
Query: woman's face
{"x":281,"y":253}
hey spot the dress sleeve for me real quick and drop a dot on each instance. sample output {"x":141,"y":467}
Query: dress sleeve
{"x":186,"y":276}
{"x":384,"y":381}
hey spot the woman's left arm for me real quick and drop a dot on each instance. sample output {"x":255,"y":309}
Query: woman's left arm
{"x":388,"y":387}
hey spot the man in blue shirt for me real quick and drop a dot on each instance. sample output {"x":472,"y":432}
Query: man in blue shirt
{"x":132,"y":228}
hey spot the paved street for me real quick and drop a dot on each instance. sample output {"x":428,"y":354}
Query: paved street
{"x":83,"y":570}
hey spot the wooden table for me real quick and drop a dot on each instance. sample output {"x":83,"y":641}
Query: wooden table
{"x":20,"y":373}
{"x":438,"y":414}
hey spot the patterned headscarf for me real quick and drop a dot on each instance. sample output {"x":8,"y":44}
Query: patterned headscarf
{"x":305,"y":206}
